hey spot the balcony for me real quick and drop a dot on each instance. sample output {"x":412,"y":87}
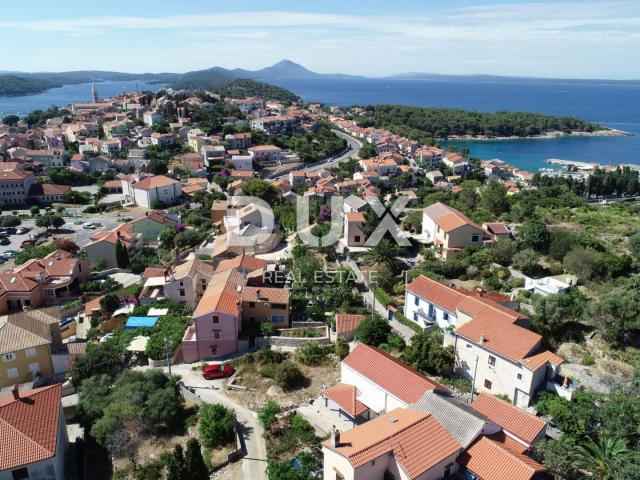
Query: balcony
{"x":565,"y":387}
{"x":428,"y":317}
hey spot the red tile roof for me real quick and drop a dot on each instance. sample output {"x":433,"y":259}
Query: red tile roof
{"x":266,"y":294}
{"x":154,"y":181}
{"x":345,"y":397}
{"x":490,"y":460}
{"x":515,"y":421}
{"x":416,"y":440}
{"x":29,"y":426}
{"x":400,"y":380}
{"x":243,"y":262}
{"x":347,"y":322}
{"x":535,"y":362}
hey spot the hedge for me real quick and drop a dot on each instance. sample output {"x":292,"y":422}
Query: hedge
{"x":405,"y":321}
{"x":382,"y":296}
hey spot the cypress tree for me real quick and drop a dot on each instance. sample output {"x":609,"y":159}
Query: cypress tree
{"x":194,"y":465}
{"x":122,"y":256}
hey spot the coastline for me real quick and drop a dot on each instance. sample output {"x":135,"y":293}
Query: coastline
{"x":605,"y":132}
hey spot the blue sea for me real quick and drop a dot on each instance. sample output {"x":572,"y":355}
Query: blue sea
{"x":68,"y":94}
{"x":612,"y":105}
{"x":609,"y":104}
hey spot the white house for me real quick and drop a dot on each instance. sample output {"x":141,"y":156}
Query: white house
{"x":150,"y":118}
{"x":243,"y":163}
{"x":152,"y":189}
{"x":492,"y":343}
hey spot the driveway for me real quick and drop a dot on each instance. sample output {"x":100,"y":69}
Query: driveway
{"x":254,"y":463}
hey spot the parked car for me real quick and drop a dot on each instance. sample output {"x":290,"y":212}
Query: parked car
{"x":29,"y":242}
{"x":5,"y":241}
{"x":23,"y":230}
{"x":89,"y":226}
{"x":39,"y":235}
{"x":223,"y":370}
{"x":10,"y":230}
{"x":9,"y":254}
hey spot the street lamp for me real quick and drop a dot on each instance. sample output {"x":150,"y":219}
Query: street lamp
{"x":166,"y":352}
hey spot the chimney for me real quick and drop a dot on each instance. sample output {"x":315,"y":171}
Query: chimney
{"x":258,"y":294}
{"x":481,"y":339}
{"x":479,"y":292}
{"x":335,"y":437}
{"x":15,"y":392}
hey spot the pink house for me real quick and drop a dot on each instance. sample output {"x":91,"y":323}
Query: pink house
{"x":216,"y":319}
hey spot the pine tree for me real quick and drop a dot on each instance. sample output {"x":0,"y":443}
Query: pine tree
{"x":194,"y":465}
{"x":122,"y":256}
{"x":176,"y":466}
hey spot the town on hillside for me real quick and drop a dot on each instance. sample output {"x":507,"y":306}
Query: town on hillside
{"x":200,"y":286}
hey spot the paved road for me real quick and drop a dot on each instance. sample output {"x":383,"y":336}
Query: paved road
{"x":254,"y":463}
{"x":354,"y":146}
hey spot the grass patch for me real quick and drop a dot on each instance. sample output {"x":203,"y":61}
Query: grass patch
{"x":383,"y":297}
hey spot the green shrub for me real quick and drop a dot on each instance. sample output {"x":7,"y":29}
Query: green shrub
{"x":267,"y":329}
{"x":382,"y":297}
{"x":288,"y":376}
{"x":267,"y":415}
{"x":216,"y":425}
{"x":268,"y":370}
{"x":405,"y":321}
{"x":588,"y":360}
{"x":310,"y":354}
{"x":341,"y":348}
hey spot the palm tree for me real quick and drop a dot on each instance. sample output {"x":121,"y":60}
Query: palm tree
{"x":596,"y":457}
{"x":385,"y":252}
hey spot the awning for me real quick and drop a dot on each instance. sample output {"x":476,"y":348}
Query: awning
{"x":157,"y":312}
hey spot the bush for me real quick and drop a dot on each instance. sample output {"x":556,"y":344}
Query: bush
{"x":491,"y":284}
{"x":405,"y":321}
{"x":587,"y":360}
{"x":396,"y":342}
{"x":268,"y":370}
{"x":267,"y":415}
{"x":374,"y":330}
{"x":267,"y":329}
{"x":342,"y":348}
{"x":310,"y":354}
{"x":288,"y":376}
{"x":216,"y":425}
{"x":382,"y":297}
{"x":188,"y":238}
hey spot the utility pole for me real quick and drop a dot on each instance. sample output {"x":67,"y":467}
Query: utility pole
{"x":166,"y":351}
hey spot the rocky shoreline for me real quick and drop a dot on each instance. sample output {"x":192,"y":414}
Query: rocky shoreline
{"x":605,"y":132}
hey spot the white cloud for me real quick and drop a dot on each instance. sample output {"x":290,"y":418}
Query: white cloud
{"x":568,"y":34}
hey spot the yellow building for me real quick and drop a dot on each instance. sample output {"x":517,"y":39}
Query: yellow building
{"x":25,"y":352}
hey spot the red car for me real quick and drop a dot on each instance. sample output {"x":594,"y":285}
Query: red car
{"x":211,"y":372}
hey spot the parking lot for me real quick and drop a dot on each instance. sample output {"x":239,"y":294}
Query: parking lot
{"x":72,"y":229}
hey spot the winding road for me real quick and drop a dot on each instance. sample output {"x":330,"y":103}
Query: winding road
{"x":352,"y":149}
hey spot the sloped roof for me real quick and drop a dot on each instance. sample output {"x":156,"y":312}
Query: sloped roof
{"x":400,"y":380}
{"x":448,"y":218}
{"x":348,"y":322}
{"x":268,"y":294}
{"x":344,"y":396}
{"x":436,"y":293}
{"x":222,"y":294}
{"x":190,"y":267}
{"x":461,"y":421}
{"x":490,"y":460}
{"x":416,"y":440}
{"x":243,"y":262}
{"x":535,"y":362}
{"x":29,"y":426}
{"x":14,"y":338}
{"x":512,"y":419}
{"x":154,"y":181}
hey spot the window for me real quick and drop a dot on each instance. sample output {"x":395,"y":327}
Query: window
{"x":252,"y":304}
{"x":445,"y":316}
{"x":49,"y":293}
{"x":447,"y":470}
{"x":475,"y":238}
{"x":415,"y":317}
{"x":487,"y":384}
{"x":215,"y":319}
{"x":519,"y":376}
{"x":416,"y":301}
{"x":31,"y":352}
{"x":216,"y":334}
{"x":34,"y":367}
{"x":277,"y":318}
{"x":469,"y":345}
{"x":492,"y":360}
{"x":20,"y":474}
{"x":356,"y":238}
{"x":8,"y":357}
{"x":12,"y":373}
{"x":214,"y":350}
{"x":181,"y":292}
{"x":182,"y":284}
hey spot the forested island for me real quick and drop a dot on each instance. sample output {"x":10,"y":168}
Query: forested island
{"x":11,"y":85}
{"x":426,"y":124}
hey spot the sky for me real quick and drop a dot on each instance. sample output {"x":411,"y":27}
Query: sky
{"x":560,"y":39}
